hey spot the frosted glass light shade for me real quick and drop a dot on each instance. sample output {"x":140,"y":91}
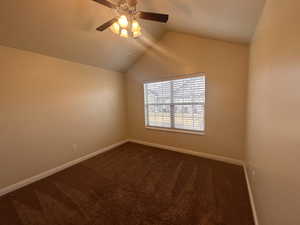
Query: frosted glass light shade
{"x":135,"y":27}
{"x":124,"y":33}
{"x":115,"y":28}
{"x":123,"y":22}
{"x":137,"y":34}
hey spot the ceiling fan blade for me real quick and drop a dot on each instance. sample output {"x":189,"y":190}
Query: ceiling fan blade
{"x":163,"y":18}
{"x":107,"y":24}
{"x":106,"y":3}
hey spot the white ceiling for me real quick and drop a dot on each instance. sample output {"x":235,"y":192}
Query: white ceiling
{"x":66,"y":28}
{"x":229,"y":20}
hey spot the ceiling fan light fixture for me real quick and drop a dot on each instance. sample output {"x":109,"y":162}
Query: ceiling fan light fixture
{"x":137,"y":34}
{"x":123,"y":21}
{"x":125,"y":24}
{"x":135,"y":26}
{"x":115,"y":28}
{"x":124,"y":33}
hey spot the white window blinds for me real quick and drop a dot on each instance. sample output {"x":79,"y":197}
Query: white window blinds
{"x":176,"y":104}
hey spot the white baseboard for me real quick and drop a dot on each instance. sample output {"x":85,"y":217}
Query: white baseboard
{"x":50,"y":172}
{"x":191,"y":152}
{"x":254,"y":212}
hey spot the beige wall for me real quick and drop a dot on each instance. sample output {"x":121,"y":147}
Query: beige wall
{"x":226,"y":68}
{"x":274,"y":107}
{"x":47,"y":105}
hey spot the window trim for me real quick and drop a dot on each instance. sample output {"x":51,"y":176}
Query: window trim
{"x":176,"y":130}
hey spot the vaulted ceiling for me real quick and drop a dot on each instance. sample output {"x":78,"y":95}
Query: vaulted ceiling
{"x":230,"y":20}
{"x":66,"y":28}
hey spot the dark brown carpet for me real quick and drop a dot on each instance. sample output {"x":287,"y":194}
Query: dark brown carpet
{"x":134,"y":185}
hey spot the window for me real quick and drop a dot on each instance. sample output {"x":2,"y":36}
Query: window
{"x":176,"y":104}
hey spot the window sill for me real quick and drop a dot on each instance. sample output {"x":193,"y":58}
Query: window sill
{"x":201,"y":133}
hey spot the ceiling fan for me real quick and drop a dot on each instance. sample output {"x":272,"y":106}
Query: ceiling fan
{"x":125,"y":23}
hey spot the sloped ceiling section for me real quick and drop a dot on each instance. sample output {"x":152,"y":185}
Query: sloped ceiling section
{"x":229,"y":20}
{"x":67,"y":28}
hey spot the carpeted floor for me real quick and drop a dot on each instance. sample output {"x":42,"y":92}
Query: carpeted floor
{"x":134,"y":185}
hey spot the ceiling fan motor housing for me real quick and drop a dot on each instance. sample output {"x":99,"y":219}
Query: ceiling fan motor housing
{"x":126,"y":9}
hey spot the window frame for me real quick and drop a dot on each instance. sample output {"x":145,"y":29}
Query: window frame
{"x":173,"y":129}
